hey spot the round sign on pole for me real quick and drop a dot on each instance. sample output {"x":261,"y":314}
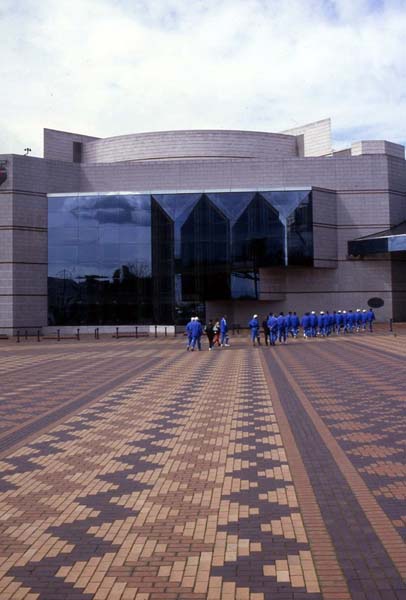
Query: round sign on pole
{"x":376,"y":302}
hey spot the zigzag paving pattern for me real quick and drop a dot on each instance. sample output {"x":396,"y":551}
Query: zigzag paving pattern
{"x":133,"y":470}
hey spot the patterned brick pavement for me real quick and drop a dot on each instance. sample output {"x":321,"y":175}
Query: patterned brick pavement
{"x":131,"y":469}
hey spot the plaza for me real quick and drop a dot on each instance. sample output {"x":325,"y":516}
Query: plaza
{"x":131,"y":469}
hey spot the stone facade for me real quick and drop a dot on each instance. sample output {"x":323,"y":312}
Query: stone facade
{"x":356,"y":192}
{"x":314,"y":139}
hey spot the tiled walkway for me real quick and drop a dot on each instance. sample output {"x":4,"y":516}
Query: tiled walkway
{"x":131,"y":469}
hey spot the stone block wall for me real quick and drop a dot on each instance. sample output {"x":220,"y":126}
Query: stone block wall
{"x":6,"y":248}
{"x":190,"y":144}
{"x":377,"y":147}
{"x":315,"y":137}
{"x":24,"y":238}
{"x":58,"y":145}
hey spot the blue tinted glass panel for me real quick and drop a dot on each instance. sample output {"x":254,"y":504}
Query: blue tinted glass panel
{"x":88,"y":234}
{"x":89,"y":252}
{"x":134,"y":258}
{"x":300,"y":233}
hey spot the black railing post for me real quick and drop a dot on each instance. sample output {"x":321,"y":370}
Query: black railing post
{"x":390,"y":325}
{"x":174,"y":331}
{"x":117,"y":332}
{"x":78,"y":334}
{"x":166,"y":331}
{"x":18,"y":336}
{"x":26,"y":334}
{"x":58,"y":335}
{"x":136,"y":331}
{"x":38,"y":336}
{"x":156,"y":330}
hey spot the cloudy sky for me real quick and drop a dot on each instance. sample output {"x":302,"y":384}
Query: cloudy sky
{"x":108,"y":67}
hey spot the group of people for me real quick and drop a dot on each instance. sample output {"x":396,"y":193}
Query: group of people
{"x":216,"y":332}
{"x":279,"y":327}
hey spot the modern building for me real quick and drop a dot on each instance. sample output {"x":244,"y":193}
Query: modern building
{"x":149,"y":227}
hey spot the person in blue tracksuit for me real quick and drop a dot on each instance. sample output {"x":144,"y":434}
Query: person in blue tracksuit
{"x":306,"y":325}
{"x":295,"y":325}
{"x":329,"y":323}
{"x":288,"y":323}
{"x":357,"y":319}
{"x":326,"y":323}
{"x":197,"y":331}
{"x":266,"y":329}
{"x":281,"y":328}
{"x":273,"y":328}
{"x":364,"y":319}
{"x":333,"y":319}
{"x":351,"y":319}
{"x":370,"y":318}
{"x":189,"y":333}
{"x":360,"y":319}
{"x":254,"y":330}
{"x":321,"y":323}
{"x":341,"y":321}
{"x":345,"y":321}
{"x":223,"y":331}
{"x":313,"y":323}
{"x":338,"y":321}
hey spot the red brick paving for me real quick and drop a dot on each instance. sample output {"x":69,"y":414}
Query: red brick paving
{"x":131,"y":469}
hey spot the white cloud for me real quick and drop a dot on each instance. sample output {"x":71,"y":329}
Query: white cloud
{"x":105,"y":67}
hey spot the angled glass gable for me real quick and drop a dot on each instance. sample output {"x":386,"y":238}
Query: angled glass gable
{"x":205,"y":245}
{"x":259,"y":235}
{"x":152,"y":258}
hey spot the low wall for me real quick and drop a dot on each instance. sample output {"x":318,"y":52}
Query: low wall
{"x":103,"y":329}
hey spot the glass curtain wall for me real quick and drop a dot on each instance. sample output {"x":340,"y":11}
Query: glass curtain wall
{"x":141,"y":258}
